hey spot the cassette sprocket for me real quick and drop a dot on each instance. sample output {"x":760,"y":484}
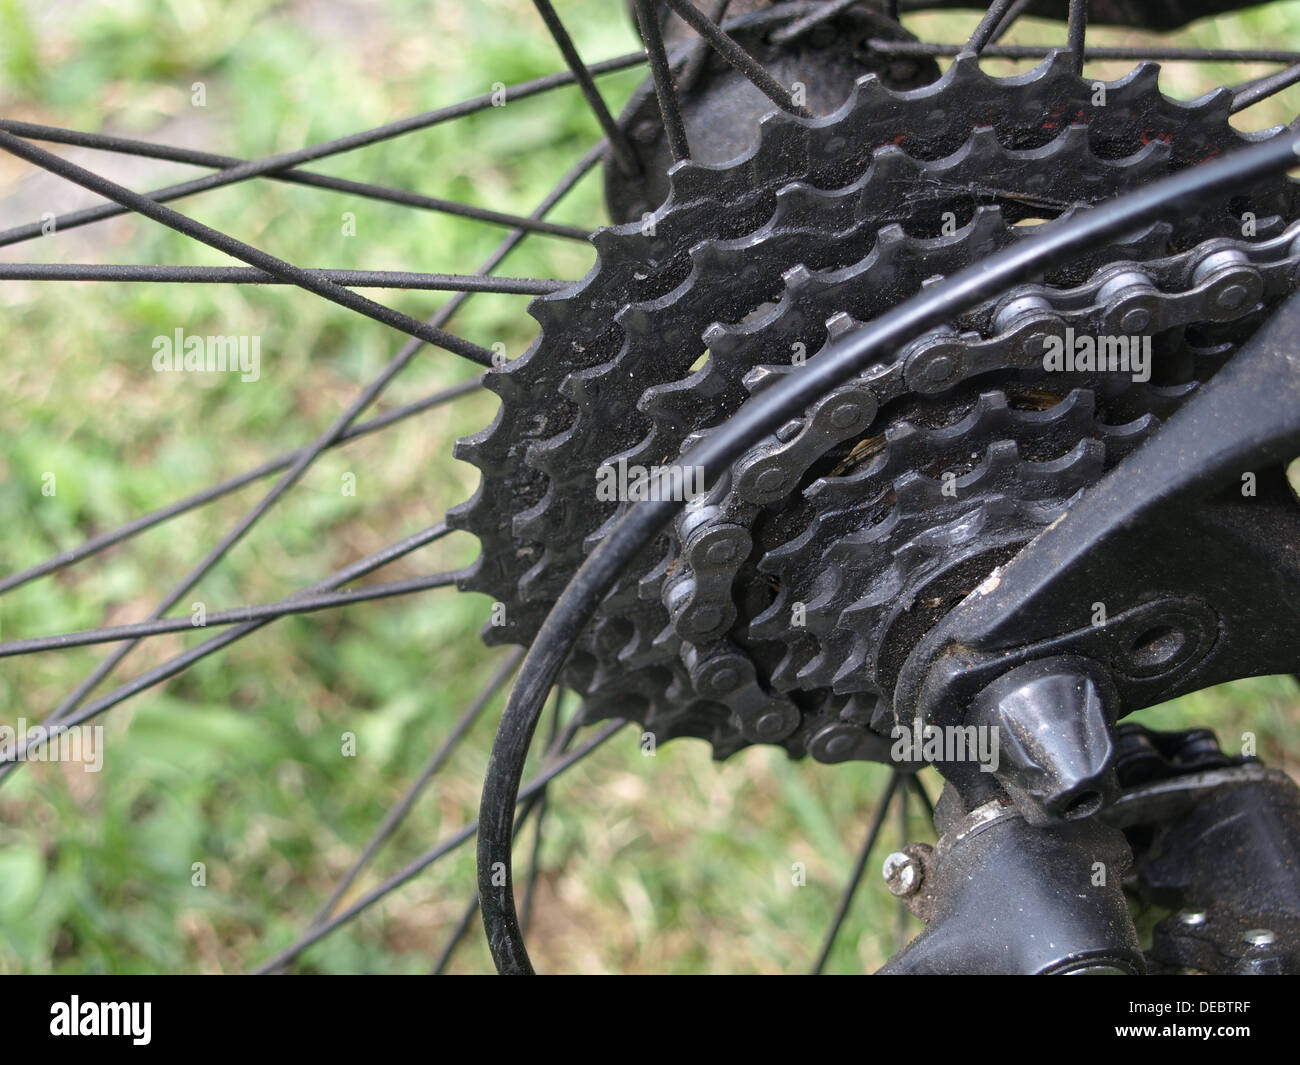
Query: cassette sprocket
{"x":774,"y":611}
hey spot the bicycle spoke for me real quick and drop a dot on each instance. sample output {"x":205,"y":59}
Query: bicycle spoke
{"x":295,"y":471}
{"x":239,"y":250}
{"x":103,"y":542}
{"x":182,"y":661}
{"x":363,"y":189}
{"x":218,"y":618}
{"x":1263,"y":88}
{"x":850,"y":889}
{"x":622,"y":151}
{"x":457,"y":839}
{"x":698,"y":52}
{"x":1009,"y":20}
{"x":248,"y":275}
{"x":662,"y":75}
{"x":437,"y":760}
{"x":187,"y":658}
{"x":457,"y":936}
{"x":801,"y":26}
{"x":725,"y":45}
{"x":1076,"y":30}
{"x":926,"y":804}
{"x":989,"y":25}
{"x":286,"y":160}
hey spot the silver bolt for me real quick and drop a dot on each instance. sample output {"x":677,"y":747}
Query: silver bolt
{"x":1259,"y":937}
{"x":902,"y":874}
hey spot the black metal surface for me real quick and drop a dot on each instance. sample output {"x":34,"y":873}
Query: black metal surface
{"x":1053,"y":717}
{"x":1229,"y":869}
{"x":1216,"y":841}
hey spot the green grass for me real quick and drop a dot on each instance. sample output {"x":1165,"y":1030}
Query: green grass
{"x":671,"y":863}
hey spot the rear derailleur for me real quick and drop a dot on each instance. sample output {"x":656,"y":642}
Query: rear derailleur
{"x":1198,"y":583}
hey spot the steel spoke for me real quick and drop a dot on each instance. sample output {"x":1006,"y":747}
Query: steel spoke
{"x":103,"y":542}
{"x":364,"y":189}
{"x":1004,"y":27}
{"x":437,"y":760}
{"x":236,"y":615}
{"x":248,"y":275}
{"x":698,"y":53}
{"x":850,"y":889}
{"x":988,"y":25}
{"x":299,"y":466}
{"x":457,"y":839}
{"x":926,"y":804}
{"x":1263,"y":88}
{"x":182,"y":661}
{"x":799,"y":27}
{"x":457,"y":935}
{"x":661,"y":73}
{"x":239,"y":250}
{"x":286,"y":160}
{"x":618,"y":144}
{"x":1076,"y":31}
{"x":725,"y":45}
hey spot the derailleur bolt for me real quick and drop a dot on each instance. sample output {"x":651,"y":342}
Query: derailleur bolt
{"x":903,"y":874}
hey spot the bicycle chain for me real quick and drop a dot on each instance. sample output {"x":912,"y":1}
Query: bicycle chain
{"x":855,"y":581}
{"x":1229,"y":279}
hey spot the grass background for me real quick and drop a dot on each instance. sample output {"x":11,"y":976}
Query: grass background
{"x":665,"y":864}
